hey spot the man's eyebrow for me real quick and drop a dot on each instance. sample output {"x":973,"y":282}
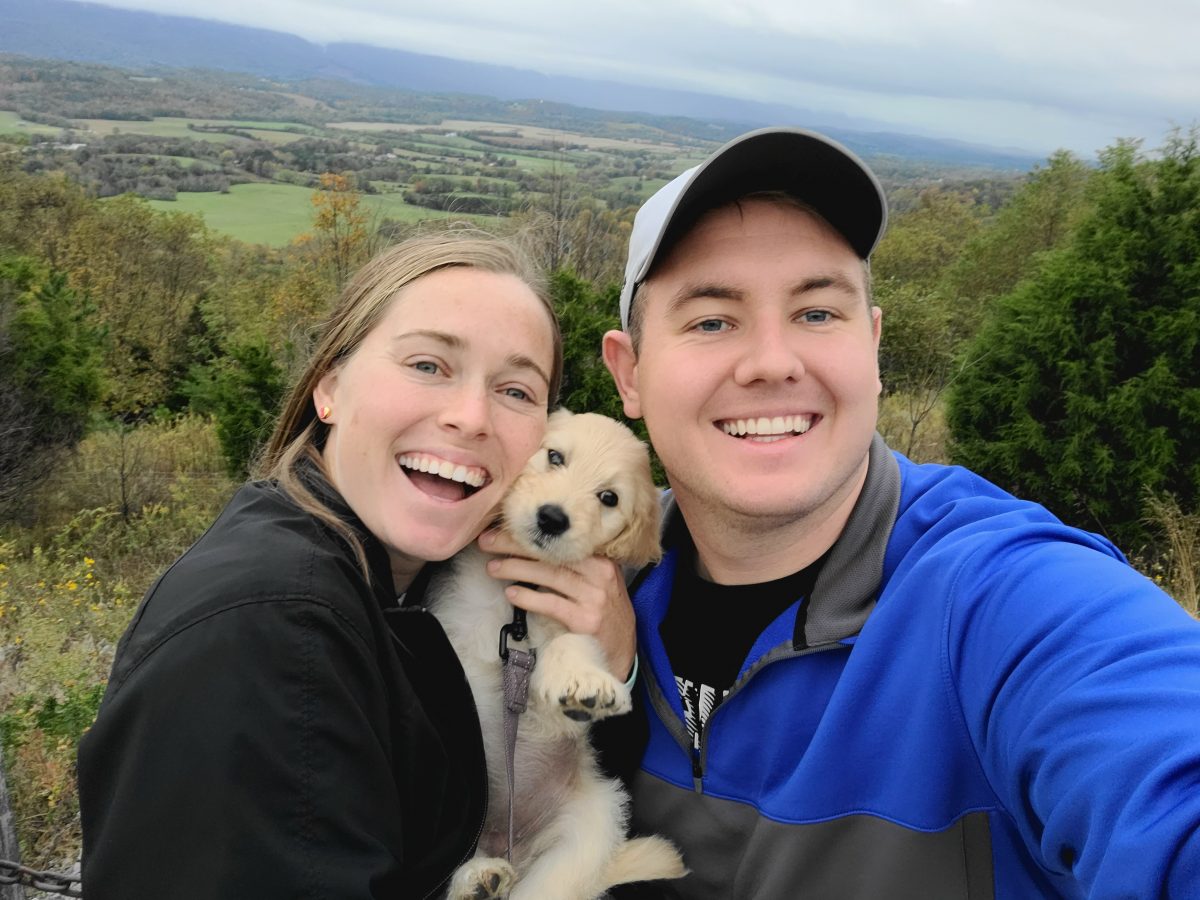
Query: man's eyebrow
{"x":718,"y":291}
{"x":454,"y":342}
{"x":701,"y":290}
{"x":837,"y":280}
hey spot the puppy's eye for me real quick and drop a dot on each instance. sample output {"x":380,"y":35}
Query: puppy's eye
{"x":555,"y":458}
{"x":608,"y":498}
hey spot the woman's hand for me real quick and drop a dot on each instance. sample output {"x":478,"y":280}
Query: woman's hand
{"x":587,"y":597}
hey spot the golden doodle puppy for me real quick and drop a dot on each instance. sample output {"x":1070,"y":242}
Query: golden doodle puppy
{"x":587,"y":491}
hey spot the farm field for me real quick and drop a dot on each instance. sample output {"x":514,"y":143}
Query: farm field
{"x":171,"y":126}
{"x":274,"y":214}
{"x":529,"y":132}
{"x":11,"y":123}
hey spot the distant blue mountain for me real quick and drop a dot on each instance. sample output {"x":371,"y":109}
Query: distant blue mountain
{"x":91,"y":32}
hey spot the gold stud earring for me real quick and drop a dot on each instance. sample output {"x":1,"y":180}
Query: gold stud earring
{"x":325,"y":411}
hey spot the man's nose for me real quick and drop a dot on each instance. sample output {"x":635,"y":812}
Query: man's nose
{"x":770,"y":352}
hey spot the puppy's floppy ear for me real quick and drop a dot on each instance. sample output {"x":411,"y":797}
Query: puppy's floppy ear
{"x":638,"y":544}
{"x":558,"y":417}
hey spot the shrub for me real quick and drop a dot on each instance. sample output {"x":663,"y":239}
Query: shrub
{"x":1084,"y":388}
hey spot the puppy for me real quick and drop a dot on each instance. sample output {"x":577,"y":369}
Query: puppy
{"x":587,"y":491}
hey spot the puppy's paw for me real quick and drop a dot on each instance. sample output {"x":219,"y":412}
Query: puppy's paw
{"x":570,"y":676}
{"x":583,"y":695}
{"x":482,"y":878}
{"x":593,"y":695}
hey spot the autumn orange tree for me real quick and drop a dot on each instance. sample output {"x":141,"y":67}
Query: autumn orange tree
{"x":341,"y":235}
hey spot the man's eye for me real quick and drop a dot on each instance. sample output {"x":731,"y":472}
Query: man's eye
{"x":816,"y":315}
{"x":608,"y":498}
{"x":710,"y":325}
{"x":555,"y":458}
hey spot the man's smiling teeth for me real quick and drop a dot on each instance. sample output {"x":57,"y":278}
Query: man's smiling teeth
{"x":777,"y":426}
{"x":471,"y":475}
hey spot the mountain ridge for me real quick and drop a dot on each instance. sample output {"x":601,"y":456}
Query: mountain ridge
{"x":93,"y":32}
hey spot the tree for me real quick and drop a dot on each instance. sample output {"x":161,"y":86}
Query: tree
{"x":922,"y":243}
{"x":917,"y":360}
{"x":37,"y":213}
{"x":340,"y":232}
{"x":1086,"y":389}
{"x":145,"y":271}
{"x":917,"y":353}
{"x":50,"y":353}
{"x":1040,"y":217}
{"x":242,"y":391}
{"x":584,"y":315}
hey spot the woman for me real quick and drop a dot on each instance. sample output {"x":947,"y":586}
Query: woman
{"x":283,"y":718}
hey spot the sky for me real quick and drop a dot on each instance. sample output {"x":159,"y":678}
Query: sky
{"x":1037,"y":75}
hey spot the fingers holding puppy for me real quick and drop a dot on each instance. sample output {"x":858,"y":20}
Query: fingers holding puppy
{"x":587,"y":597}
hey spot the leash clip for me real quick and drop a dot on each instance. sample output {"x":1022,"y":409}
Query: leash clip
{"x":517,"y":629}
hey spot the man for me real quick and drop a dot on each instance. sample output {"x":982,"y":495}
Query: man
{"x":865,"y":678}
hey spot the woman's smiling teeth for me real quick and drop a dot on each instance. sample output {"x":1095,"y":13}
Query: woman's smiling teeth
{"x":473,"y":476}
{"x":769,"y":428}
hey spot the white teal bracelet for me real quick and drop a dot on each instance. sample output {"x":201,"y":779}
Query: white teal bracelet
{"x":629,"y":682}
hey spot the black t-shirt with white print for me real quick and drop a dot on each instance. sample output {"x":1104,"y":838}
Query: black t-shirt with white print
{"x":709,"y":629}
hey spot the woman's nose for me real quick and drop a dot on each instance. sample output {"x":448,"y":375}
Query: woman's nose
{"x":468,"y":411}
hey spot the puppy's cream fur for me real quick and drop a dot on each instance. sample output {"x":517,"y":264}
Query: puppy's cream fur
{"x":569,"y":820}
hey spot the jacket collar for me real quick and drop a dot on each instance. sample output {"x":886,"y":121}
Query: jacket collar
{"x":378,"y":563}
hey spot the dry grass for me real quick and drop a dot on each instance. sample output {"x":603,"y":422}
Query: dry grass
{"x":915,"y":426}
{"x":1176,"y":565}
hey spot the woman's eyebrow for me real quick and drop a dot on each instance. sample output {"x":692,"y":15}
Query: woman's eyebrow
{"x":520,"y":361}
{"x":442,"y":337}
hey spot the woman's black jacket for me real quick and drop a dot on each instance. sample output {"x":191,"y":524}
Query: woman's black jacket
{"x":277,"y":727}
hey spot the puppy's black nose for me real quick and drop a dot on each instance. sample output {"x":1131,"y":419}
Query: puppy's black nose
{"x":552,"y":521}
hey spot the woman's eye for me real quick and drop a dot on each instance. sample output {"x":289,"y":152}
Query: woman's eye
{"x":608,"y":498}
{"x":516,"y":393}
{"x":555,"y":458}
{"x":427,"y":366}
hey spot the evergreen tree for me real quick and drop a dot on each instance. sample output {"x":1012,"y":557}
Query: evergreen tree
{"x":584,"y":315}
{"x":1085,"y":387}
{"x":242,"y":391}
{"x":50,"y":358}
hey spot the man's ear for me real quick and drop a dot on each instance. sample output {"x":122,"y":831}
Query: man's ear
{"x":877,"y":332}
{"x":621,"y":360}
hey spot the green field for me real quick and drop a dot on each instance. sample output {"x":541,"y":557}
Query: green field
{"x":164,"y":126}
{"x":11,"y":123}
{"x":275,"y":214}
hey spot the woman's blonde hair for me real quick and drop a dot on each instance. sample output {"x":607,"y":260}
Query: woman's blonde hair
{"x":299,"y":434}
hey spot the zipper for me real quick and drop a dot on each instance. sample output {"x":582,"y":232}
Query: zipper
{"x":698,"y":749}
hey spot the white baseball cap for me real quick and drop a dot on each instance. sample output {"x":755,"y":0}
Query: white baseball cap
{"x":808,"y":166}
